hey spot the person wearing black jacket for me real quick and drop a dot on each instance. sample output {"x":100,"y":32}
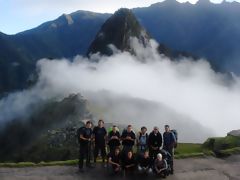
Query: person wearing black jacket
{"x":128,"y":163}
{"x":145,"y":163}
{"x":128,"y":139}
{"x":154,"y":142}
{"x":113,"y":139}
{"x":169,"y":140}
{"x":115,"y":160}
{"x":85,"y":136}
{"x":100,"y":134}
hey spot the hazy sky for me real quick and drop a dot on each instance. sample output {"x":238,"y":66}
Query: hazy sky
{"x":19,"y":15}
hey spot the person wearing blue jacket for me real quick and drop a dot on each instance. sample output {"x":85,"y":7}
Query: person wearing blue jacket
{"x":169,"y":140}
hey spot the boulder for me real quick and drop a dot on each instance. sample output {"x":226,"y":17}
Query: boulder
{"x":234,"y":133}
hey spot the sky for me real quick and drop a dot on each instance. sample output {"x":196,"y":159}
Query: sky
{"x":20,"y":15}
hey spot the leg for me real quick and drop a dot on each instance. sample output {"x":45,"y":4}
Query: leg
{"x":81,"y":156}
{"x":140,"y":169}
{"x":88,"y":154}
{"x":111,"y":149}
{"x":163,"y":173}
{"x":171,"y":151}
{"x":103,"y":153}
{"x":96,"y":150}
{"x":149,"y":171}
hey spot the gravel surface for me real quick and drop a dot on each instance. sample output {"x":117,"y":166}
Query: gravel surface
{"x":185,"y":169}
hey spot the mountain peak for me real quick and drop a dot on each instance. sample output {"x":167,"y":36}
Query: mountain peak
{"x":117,"y":31}
{"x":68,"y":18}
{"x":203,"y":2}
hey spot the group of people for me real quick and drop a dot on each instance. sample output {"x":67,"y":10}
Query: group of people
{"x":149,"y":157}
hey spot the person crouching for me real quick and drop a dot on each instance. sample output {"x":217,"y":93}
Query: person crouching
{"x":115,"y":161}
{"x":145,"y":164}
{"x":160,"y":166}
{"x":129,"y":163}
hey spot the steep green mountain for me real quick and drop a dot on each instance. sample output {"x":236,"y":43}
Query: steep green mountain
{"x":48,"y":134}
{"x":118,"y":31}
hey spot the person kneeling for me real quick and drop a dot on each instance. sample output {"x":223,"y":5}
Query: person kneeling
{"x":145,"y":163}
{"x":114,"y":160}
{"x":129,"y":163}
{"x":160,"y":166}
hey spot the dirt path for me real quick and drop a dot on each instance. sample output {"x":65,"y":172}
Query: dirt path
{"x":185,"y":169}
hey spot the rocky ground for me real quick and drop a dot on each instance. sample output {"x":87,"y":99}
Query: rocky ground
{"x":185,"y":169}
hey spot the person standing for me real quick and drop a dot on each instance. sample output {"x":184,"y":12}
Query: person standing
{"x":128,"y":139}
{"x":113,"y":139}
{"x":169,"y":140}
{"x":85,"y":135}
{"x":154,"y":142}
{"x":142,"y":141}
{"x":100,"y":135}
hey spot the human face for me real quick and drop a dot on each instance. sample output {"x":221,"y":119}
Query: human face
{"x":159,"y":157}
{"x":117,"y":151}
{"x":155,"y":130}
{"x":167,"y":128}
{"x":130,"y":154}
{"x":144,"y":130}
{"x":129,"y":129}
{"x":89,"y":125}
{"x":146,"y":154}
{"x":100,"y":123}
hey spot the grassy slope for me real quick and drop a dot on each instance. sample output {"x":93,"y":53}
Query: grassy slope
{"x":223,"y":146}
{"x":184,"y":150}
{"x":226,"y":145}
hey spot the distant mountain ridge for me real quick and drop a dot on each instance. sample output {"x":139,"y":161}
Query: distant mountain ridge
{"x":203,"y":29}
{"x":66,"y":36}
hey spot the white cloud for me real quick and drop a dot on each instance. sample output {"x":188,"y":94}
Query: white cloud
{"x":190,"y":88}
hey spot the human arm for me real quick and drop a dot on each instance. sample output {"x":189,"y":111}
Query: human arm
{"x":113,"y":163}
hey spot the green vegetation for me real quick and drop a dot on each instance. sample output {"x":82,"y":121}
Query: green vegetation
{"x":184,"y":150}
{"x":187,"y":148}
{"x":219,"y":147}
{"x":31,"y":164}
{"x":48,"y":135}
{"x":223,"y":146}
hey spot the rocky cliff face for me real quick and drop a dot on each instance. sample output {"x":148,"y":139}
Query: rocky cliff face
{"x":234,"y":133}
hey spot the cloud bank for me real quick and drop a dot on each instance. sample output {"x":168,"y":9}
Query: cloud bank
{"x":187,"y":87}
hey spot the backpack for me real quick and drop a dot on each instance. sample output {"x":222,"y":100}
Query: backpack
{"x":175,"y":133}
